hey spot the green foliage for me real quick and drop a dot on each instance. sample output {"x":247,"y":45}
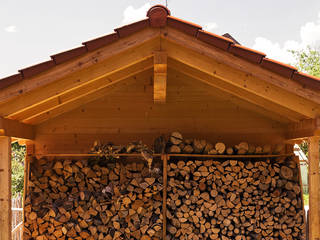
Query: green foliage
{"x":17,"y":166}
{"x":307,"y":60}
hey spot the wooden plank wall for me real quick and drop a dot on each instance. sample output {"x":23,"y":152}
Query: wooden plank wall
{"x":128,"y":113}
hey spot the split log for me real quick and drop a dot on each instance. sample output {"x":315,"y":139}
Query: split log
{"x":94,"y":200}
{"x":220,"y":147}
{"x":176,"y":138}
{"x":234,"y":200}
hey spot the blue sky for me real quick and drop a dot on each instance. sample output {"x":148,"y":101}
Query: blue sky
{"x":31,"y":31}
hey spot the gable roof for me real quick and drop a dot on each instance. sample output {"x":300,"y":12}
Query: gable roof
{"x":159,"y":16}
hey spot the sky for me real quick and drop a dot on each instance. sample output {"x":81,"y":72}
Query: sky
{"x":31,"y":31}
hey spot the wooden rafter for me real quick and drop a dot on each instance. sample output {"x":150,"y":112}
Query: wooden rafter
{"x":242,"y":80}
{"x":68,"y":69}
{"x":160,"y":77}
{"x":234,"y":90}
{"x":89,"y":96}
{"x":13,"y":128}
{"x":215,"y":54}
{"x":74,"y":85}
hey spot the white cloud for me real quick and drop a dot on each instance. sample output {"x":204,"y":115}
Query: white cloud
{"x":132,"y":14}
{"x":11,"y":29}
{"x":210,"y":26}
{"x":309,"y":35}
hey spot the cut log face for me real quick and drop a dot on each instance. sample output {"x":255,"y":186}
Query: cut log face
{"x":94,"y":200}
{"x":233,"y":200}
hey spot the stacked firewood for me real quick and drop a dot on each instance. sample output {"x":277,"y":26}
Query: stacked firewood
{"x":94,"y":200}
{"x":234,"y":200}
{"x":176,"y":144}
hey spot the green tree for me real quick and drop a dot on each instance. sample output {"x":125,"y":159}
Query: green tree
{"x":17,"y":166}
{"x":307,"y":60}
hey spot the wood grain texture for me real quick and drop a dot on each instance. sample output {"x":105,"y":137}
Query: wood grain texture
{"x":314,"y":190}
{"x":5,"y":188}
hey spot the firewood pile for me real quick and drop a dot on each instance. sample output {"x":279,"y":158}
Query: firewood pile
{"x":73,"y":199}
{"x":176,"y":144}
{"x":234,"y":200}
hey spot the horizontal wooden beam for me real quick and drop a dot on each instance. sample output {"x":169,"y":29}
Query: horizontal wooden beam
{"x":13,"y":128}
{"x":303,"y":129}
{"x":44,"y":98}
{"x":242,"y":80}
{"x":160,"y":77}
{"x":264,"y":105}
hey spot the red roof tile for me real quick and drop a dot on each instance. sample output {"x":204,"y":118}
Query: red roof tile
{"x":247,"y":53}
{"x":5,"y":82}
{"x":158,"y":16}
{"x":132,"y":28}
{"x":68,"y":55}
{"x":278,"y":67}
{"x":36,"y":69}
{"x":215,"y":40}
{"x":183,"y":26}
{"x":307,"y":80}
{"x":101,"y":41}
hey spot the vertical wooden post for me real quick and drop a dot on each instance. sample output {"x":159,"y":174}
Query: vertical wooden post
{"x":160,"y":77}
{"x":314,"y":218}
{"x":5,"y":188}
{"x":164,"y":158}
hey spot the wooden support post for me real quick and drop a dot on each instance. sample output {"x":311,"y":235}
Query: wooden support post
{"x":314,"y":203}
{"x":5,"y":188}
{"x":165,"y":159}
{"x":160,"y":77}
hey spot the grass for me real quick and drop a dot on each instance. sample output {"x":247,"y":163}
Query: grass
{"x":306,"y":199}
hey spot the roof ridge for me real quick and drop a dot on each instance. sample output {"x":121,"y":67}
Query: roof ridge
{"x":160,"y":16}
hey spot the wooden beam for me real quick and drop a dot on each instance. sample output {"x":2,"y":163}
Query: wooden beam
{"x":50,"y":95}
{"x":233,"y":61}
{"x":303,"y":129}
{"x":69,"y":68}
{"x":13,"y":128}
{"x":88,"y":97}
{"x":314,"y":189}
{"x":68,"y":96}
{"x":160,"y":77}
{"x":5,"y":188}
{"x":234,"y":90}
{"x":242,"y":80}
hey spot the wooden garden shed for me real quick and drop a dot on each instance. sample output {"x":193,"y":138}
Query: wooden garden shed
{"x":152,"y":77}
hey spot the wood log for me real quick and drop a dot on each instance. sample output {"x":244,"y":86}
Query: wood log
{"x":220,"y":147}
{"x":95,"y":200}
{"x":176,"y":138}
{"x":234,"y":199}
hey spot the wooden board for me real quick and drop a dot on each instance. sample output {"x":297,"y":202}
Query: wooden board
{"x":128,"y":111}
{"x":314,"y":200}
{"x":5,"y":188}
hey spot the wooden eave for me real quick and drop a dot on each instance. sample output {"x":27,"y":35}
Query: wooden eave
{"x":82,"y":75}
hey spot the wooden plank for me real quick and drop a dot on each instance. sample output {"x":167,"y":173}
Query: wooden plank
{"x":5,"y":188}
{"x":242,"y":80}
{"x":84,"y":98}
{"x":64,"y":89}
{"x":13,"y":128}
{"x":231,"y":60}
{"x":29,"y":114}
{"x":238,"y":96}
{"x":160,"y":77}
{"x":303,"y":129}
{"x":82,"y":63}
{"x":164,"y":158}
{"x":314,"y":190}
